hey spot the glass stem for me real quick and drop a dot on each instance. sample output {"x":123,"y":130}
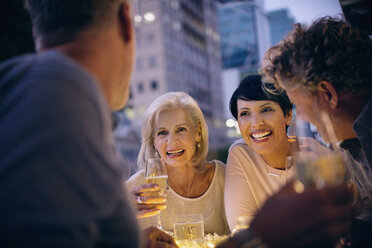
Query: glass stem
{"x":159,"y":222}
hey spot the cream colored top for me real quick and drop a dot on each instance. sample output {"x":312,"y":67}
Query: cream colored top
{"x":210,"y":204}
{"x":250,"y":180}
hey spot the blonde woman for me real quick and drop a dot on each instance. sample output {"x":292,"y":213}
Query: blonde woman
{"x":175,"y":129}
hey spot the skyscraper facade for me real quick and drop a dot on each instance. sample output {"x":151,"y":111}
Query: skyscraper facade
{"x":244,"y":31}
{"x":245,"y":36}
{"x":280,"y":23}
{"x":178,"y":50}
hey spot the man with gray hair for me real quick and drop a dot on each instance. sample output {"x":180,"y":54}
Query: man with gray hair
{"x":60,"y":176}
{"x":326,"y":70}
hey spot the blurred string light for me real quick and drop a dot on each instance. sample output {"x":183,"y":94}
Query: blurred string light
{"x":138,"y":19}
{"x":234,"y":131}
{"x":130,"y":113}
{"x":149,"y":17}
{"x":230,"y":122}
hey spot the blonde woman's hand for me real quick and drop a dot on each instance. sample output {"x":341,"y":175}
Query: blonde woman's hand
{"x":148,"y":201}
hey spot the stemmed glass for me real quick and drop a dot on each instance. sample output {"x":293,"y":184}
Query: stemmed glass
{"x":156,"y":172}
{"x":317,"y":166}
{"x":294,"y":148}
{"x":332,"y":166}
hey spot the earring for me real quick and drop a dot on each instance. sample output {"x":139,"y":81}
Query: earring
{"x":156,"y":154}
{"x":198,"y":144}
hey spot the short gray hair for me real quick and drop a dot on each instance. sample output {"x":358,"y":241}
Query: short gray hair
{"x":173,"y":100}
{"x":58,"y":22}
{"x":331,"y":49}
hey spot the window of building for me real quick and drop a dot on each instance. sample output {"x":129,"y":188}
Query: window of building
{"x":139,"y":64}
{"x":176,"y":26}
{"x":138,"y":40}
{"x":130,"y":93}
{"x":152,"y":62}
{"x":150,"y":38}
{"x":140,"y":87}
{"x":154,"y":85}
{"x":175,"y":4}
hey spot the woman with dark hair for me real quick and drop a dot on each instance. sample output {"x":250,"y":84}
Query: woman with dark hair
{"x":256,"y":165}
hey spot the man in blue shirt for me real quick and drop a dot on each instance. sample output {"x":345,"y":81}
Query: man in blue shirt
{"x":61,"y":179}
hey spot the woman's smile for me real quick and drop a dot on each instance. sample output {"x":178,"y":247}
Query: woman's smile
{"x":175,"y":137}
{"x":175,"y":153}
{"x":262,"y":124}
{"x":261,"y":136}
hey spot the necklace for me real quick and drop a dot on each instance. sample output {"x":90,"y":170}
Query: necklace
{"x":271,"y":173}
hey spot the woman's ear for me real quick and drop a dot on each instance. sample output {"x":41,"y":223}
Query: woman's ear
{"x":288,"y":118}
{"x":199,"y":133}
{"x":328,"y":94}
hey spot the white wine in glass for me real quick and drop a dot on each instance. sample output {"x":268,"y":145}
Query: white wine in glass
{"x":162,"y":181}
{"x":156,"y":172}
{"x":188,"y":226}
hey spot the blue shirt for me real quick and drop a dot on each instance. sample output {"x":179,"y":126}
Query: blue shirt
{"x":60,"y":177}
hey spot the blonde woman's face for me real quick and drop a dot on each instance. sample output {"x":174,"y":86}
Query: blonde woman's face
{"x":175,"y":137}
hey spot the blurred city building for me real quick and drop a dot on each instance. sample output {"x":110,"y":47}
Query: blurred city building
{"x":280,"y":22}
{"x":128,"y":141}
{"x":245,"y":37}
{"x":178,"y":49}
{"x":245,"y":33}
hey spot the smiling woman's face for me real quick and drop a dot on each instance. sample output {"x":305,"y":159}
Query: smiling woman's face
{"x":175,"y":137}
{"x":263,"y":125}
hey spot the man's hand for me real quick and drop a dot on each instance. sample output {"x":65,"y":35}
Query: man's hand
{"x":148,"y":202}
{"x":315,"y":217}
{"x":155,"y":238}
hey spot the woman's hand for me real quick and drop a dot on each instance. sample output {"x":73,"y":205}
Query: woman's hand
{"x":148,"y":201}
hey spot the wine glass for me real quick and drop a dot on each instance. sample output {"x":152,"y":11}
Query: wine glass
{"x":242,"y":222}
{"x":156,"y":172}
{"x":318,"y":166}
{"x":289,"y":168}
{"x":188,"y":226}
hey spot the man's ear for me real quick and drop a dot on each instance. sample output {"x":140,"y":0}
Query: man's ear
{"x":328,"y":93}
{"x":125,"y":19}
{"x":288,"y":118}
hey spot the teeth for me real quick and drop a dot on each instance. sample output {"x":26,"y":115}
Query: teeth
{"x":175,"y":152}
{"x":260,"y":135}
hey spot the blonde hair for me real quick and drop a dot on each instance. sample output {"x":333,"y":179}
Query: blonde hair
{"x":173,"y":101}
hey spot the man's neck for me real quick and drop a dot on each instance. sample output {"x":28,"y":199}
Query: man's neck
{"x":344,"y":116}
{"x":101,"y":62}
